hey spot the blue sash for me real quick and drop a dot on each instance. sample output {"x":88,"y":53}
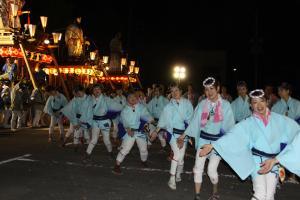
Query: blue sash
{"x":122,"y":131}
{"x":100,"y":118}
{"x":211,"y":137}
{"x":257,"y":152}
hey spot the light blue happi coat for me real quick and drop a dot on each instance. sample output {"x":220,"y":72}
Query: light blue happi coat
{"x":291,"y":108}
{"x":55,"y":103}
{"x":70,"y":111}
{"x":214,"y":128}
{"x":99,"y":107}
{"x":156,"y":106}
{"x":241,"y":108}
{"x":236,"y":146}
{"x":176,"y":116}
{"x":115,"y":106}
{"x":289,"y":157}
{"x":132,"y":117}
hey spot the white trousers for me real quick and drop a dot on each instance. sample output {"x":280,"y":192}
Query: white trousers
{"x":37,"y":118}
{"x":115,"y":128}
{"x":95,"y":137}
{"x":264,"y":186}
{"x":127,"y":144}
{"x":7,"y":114}
{"x":177,"y":161}
{"x":70,"y":130}
{"x":16,"y":115}
{"x":81,"y":133}
{"x":212,"y":168}
{"x":54,"y":121}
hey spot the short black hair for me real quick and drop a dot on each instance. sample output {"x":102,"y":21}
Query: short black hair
{"x":78,"y":88}
{"x":50,"y":88}
{"x":241,"y":84}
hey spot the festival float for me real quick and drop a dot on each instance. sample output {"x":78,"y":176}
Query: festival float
{"x":35,"y":50}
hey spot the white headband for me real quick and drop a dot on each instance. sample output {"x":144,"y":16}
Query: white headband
{"x":207,"y":79}
{"x":260,"y":94}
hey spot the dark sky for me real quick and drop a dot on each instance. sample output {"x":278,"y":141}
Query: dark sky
{"x":158,"y":34}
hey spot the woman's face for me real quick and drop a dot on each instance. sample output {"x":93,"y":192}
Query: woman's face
{"x":176,"y":93}
{"x":212,"y":92}
{"x":259,"y":105}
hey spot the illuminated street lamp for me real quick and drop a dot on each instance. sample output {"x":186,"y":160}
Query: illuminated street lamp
{"x":44,"y":20}
{"x":179,"y":73}
{"x":92,"y":55}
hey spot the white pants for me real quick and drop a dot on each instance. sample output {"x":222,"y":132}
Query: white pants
{"x":264,"y":186}
{"x":37,"y":118}
{"x":79,"y":133}
{"x":95,"y":137}
{"x":54,"y":121}
{"x":115,"y":128}
{"x":70,"y":131}
{"x":7,"y":114}
{"x":162,"y":140}
{"x":16,"y":115}
{"x":127,"y":145}
{"x":212,"y":168}
{"x":177,"y":161}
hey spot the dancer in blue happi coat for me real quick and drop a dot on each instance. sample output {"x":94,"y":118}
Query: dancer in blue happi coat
{"x":174,"y":119}
{"x":287,"y":105}
{"x":212,"y":119}
{"x":240,"y":106}
{"x":155,"y":107}
{"x":54,"y":104}
{"x":252,"y":141}
{"x":132,"y":120}
{"x":80,"y":120}
{"x":117,"y":107}
{"x":99,"y":109}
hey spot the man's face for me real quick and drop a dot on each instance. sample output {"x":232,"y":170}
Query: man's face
{"x":97,"y":91}
{"x":78,"y":19}
{"x":283,"y":93}
{"x":176,"y":93}
{"x":80,"y":93}
{"x":242,"y":91}
{"x":132,"y":99}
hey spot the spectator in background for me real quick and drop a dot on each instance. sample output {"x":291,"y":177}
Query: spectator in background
{"x":271,"y":97}
{"x":9,"y":70}
{"x":191,"y":95}
{"x":225,"y":95}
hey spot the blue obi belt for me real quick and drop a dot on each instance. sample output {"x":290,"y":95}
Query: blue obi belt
{"x":100,"y":118}
{"x":260,"y":153}
{"x":112,"y":114}
{"x":122,"y":131}
{"x":211,"y":137}
{"x":55,"y":110}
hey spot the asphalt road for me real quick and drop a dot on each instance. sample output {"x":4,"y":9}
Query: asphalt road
{"x":31,"y":168}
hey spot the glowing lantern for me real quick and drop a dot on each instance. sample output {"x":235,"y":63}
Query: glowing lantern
{"x":77,"y":71}
{"x":66,"y":70}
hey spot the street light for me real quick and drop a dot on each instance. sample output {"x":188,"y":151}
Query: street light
{"x":179,"y":73}
{"x":44,"y":20}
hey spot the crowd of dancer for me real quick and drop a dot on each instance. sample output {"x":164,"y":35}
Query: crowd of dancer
{"x":257,"y":133}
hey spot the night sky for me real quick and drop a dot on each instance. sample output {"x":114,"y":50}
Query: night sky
{"x":160,"y":34}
